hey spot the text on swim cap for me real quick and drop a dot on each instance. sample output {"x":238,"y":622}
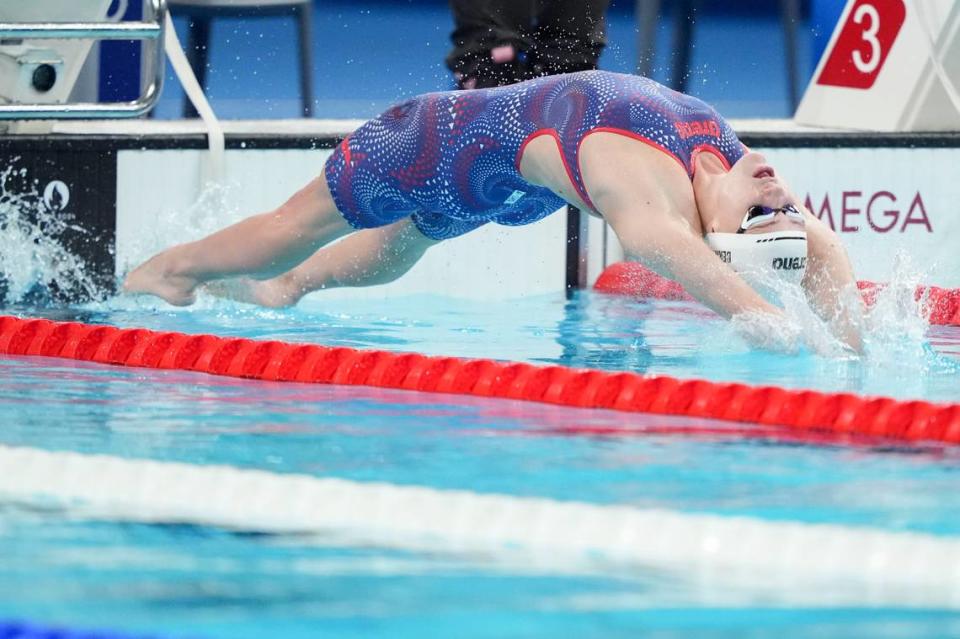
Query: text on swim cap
{"x":789,"y":263}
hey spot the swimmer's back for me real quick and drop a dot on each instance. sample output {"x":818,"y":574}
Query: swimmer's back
{"x":451,"y":159}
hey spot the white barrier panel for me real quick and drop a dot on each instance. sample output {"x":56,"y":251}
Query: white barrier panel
{"x":882,"y":202}
{"x":493,"y":262}
{"x":891,"y":65}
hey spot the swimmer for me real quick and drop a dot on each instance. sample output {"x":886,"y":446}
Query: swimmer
{"x":664,"y":169}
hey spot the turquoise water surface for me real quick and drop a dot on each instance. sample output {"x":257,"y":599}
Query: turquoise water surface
{"x":905,"y":358}
{"x":181,"y":580}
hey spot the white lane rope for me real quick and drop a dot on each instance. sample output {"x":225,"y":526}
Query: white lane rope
{"x":786,"y":562}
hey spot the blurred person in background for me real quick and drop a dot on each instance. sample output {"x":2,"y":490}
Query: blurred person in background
{"x":498,"y":42}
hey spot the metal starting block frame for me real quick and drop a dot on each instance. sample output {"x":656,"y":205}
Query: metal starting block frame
{"x":27,"y":62}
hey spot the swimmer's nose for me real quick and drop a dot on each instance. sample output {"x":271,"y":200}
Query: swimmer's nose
{"x":782,"y":215}
{"x":780,"y":222}
{"x":784,"y":222}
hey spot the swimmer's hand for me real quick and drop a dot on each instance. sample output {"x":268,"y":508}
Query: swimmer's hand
{"x":851,"y":337}
{"x":772,"y":332}
{"x":272,"y":293}
{"x":780,"y":334}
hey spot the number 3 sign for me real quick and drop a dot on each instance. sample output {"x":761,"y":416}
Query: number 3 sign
{"x":864,"y":43}
{"x":876,"y":73}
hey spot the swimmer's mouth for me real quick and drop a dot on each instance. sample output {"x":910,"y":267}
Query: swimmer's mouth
{"x":764,"y":172}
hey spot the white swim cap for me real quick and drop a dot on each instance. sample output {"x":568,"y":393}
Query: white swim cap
{"x":757,"y":257}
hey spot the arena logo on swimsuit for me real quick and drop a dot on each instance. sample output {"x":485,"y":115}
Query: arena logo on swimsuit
{"x":880,"y":210}
{"x":700,"y":127}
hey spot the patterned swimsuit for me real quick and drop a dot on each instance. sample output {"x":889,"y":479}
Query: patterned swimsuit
{"x":451,"y":160}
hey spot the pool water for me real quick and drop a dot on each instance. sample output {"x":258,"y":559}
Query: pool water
{"x":906,"y":358}
{"x":201,"y":581}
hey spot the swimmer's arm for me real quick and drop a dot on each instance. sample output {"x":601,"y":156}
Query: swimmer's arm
{"x":672,"y":249}
{"x":364,"y":258}
{"x":653,"y":213}
{"x":830,"y":283}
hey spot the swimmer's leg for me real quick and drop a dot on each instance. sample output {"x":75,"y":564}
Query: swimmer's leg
{"x":365,"y":258}
{"x":261,"y":246}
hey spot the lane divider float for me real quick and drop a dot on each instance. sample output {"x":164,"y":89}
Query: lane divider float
{"x":636,"y":280}
{"x":725,"y":559}
{"x":840,"y":413}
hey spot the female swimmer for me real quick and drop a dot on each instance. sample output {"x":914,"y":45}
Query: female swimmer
{"x":664,"y":169}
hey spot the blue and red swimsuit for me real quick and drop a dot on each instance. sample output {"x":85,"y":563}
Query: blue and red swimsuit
{"x":451,"y":160}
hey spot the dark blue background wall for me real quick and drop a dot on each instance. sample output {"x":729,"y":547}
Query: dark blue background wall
{"x":372,"y":53}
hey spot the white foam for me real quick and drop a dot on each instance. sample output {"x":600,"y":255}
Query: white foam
{"x":895,"y":330}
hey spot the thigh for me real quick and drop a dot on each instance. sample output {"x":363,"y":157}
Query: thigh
{"x":358,"y":179}
{"x":437,"y":226}
{"x":313,"y":207}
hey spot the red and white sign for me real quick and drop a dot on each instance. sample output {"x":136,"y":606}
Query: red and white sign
{"x":863,"y":44}
{"x":886,"y":68}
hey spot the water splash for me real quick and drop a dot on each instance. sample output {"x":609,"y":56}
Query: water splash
{"x":214,"y":208}
{"x":897,"y":313}
{"x":35,"y":266}
{"x":800,"y":329}
{"x":897,"y":353}
{"x":895,"y":328}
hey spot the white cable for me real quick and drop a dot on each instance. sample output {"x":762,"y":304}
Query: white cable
{"x":779,"y":562}
{"x":930,"y":38}
{"x":214,"y":167}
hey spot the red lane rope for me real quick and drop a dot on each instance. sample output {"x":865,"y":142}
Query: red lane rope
{"x":278,"y":361}
{"x":631,"y":278}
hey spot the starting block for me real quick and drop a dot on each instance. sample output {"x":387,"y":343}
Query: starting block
{"x":891,"y":65}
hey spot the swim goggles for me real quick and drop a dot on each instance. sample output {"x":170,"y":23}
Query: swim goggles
{"x":759,"y":215}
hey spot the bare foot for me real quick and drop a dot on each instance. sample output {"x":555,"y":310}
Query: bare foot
{"x":154,"y":277}
{"x":272,"y":293}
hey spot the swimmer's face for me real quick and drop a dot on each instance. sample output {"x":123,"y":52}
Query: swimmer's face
{"x":724,"y":197}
